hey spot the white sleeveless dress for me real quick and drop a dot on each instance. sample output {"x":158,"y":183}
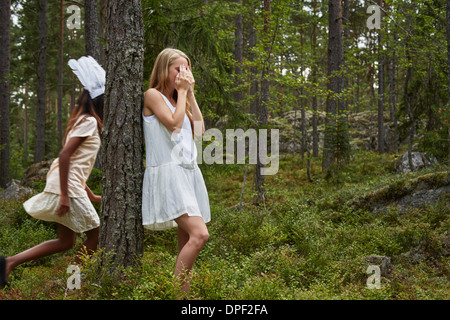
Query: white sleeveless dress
{"x":173,"y":183}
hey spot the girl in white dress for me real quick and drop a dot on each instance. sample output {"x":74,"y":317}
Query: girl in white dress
{"x":174,"y":192}
{"x":66,"y":198}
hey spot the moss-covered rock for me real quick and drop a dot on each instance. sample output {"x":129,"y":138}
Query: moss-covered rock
{"x":415,"y":192}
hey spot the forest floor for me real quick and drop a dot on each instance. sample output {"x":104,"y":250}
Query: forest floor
{"x":310,"y":240}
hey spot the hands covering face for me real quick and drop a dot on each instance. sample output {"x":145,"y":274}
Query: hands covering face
{"x":185,"y":80}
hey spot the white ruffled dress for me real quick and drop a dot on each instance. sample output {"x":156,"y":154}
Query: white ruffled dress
{"x":173,"y":183}
{"x":82,"y":215}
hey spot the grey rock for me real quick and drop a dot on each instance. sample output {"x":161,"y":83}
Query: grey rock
{"x":15,"y":191}
{"x":383,"y":262}
{"x":419,"y":160}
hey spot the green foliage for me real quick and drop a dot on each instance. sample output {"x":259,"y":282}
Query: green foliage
{"x":20,"y":231}
{"x":95,"y":181}
{"x":307,"y":243}
{"x":297,"y":39}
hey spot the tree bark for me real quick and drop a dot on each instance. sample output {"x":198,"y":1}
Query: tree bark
{"x":408,"y":109}
{"x":5,"y":16}
{"x":381,"y":133}
{"x":39,"y":147}
{"x":262,"y":110}
{"x":381,"y":142}
{"x":92,"y":44}
{"x":335,"y":59}
{"x":238,"y":54}
{"x":25,"y":128}
{"x":60,"y":68}
{"x":122,"y":145}
{"x":302,"y":101}
{"x":254,"y":87}
{"x":448,"y":70}
{"x":315,"y":139}
{"x":343,"y":126}
{"x":346,"y":46}
{"x":392,"y":65}
{"x":448,"y":46}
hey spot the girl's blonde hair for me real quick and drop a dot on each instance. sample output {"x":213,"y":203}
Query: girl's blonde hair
{"x":160,"y":73}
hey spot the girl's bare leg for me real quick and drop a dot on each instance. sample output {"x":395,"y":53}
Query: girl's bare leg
{"x":89,"y":245}
{"x":183,"y":238}
{"x":192,"y":236}
{"x":65,"y":241}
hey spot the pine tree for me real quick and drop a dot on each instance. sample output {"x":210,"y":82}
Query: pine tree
{"x":39,"y":147}
{"x":122,"y":143}
{"x":336,"y":145}
{"x":5,"y":16}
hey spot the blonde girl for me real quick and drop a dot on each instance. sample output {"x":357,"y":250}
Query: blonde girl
{"x":174,"y":192}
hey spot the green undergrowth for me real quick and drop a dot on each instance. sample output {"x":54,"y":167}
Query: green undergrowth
{"x":309,"y":239}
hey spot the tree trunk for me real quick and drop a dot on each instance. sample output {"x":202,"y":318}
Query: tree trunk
{"x":448,"y":69}
{"x":392,"y":65}
{"x":253,"y":69}
{"x":343,"y":126}
{"x":448,"y":46}
{"x":39,"y":146}
{"x":335,"y":59}
{"x":408,"y":109}
{"x":25,"y":128}
{"x":122,"y":145}
{"x":357,"y":92}
{"x":381,"y":134}
{"x":60,"y":69}
{"x":315,"y":139}
{"x":303,"y":102}
{"x":238,"y":54}
{"x":347,"y":44}
{"x":300,"y":98}
{"x":92,"y":44}
{"x":5,"y":16}
{"x":381,"y":142}
{"x":262,"y":110}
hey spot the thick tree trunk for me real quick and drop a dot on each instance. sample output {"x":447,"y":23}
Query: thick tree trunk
{"x":5,"y":16}
{"x":122,"y":145}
